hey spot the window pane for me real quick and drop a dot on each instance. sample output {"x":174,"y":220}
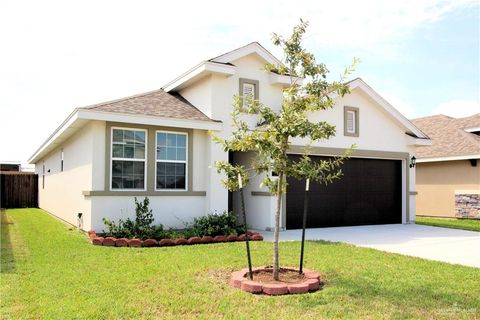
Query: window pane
{"x":138,"y":167}
{"x":128,"y":182}
{"x":117,"y":151}
{"x":138,"y":182}
{"x":160,"y":168}
{"x":117,"y":135}
{"x":171,"y":140}
{"x":140,"y":137}
{"x":128,"y":152}
{"x":161,"y":139}
{"x":180,"y":169}
{"x":171,"y":153}
{"x":117,"y":183}
{"x":180,"y":182}
{"x":181,"y":140}
{"x":117,"y":168}
{"x":181,"y":154}
{"x":170,"y":169}
{"x":128,"y":136}
{"x":128,"y":174}
{"x":127,"y":167}
{"x":161,"y":182}
{"x":139,"y":152}
{"x":170,"y":182}
{"x":162,"y":153}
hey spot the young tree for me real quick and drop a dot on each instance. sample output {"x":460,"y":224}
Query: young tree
{"x":269,"y":140}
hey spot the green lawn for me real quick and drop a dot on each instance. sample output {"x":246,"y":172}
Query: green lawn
{"x":472,"y":225}
{"x":51,"y":272}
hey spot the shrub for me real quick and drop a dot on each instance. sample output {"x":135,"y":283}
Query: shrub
{"x":214,"y":224}
{"x":141,"y":228}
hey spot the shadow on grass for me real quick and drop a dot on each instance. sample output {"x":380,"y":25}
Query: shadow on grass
{"x":7,"y":256}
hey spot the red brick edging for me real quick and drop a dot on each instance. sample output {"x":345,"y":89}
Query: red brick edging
{"x":310,"y":283}
{"x":124,"y":242}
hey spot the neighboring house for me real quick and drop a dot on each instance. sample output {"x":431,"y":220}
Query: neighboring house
{"x":156,"y":144}
{"x":448,"y":171}
{"x":10,"y":166}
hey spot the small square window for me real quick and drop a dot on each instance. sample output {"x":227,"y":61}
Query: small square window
{"x":351,"y":121}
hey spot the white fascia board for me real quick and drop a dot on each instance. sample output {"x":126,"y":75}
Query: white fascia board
{"x":200,"y":70}
{"x":412,"y":141}
{"x":359,"y":83}
{"x":68,"y":123}
{"x":284,"y":80}
{"x":451,"y":158}
{"x":253,"y":47}
{"x":150,"y":120}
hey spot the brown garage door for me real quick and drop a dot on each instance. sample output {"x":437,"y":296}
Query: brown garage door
{"x":370,"y":192}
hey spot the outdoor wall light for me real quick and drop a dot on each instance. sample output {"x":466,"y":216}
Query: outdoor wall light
{"x":413,"y":161}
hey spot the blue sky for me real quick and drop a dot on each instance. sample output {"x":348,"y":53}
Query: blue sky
{"x":421,"y":55}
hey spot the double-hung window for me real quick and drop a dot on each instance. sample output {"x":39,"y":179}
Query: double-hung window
{"x":128,"y":159}
{"x":171,"y":160}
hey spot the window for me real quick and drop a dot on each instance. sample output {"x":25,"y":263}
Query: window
{"x":128,"y":159}
{"x":171,"y":160}
{"x":248,"y":88}
{"x":351,"y":121}
{"x":61,"y":160}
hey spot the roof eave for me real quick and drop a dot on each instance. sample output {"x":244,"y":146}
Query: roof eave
{"x":80,"y":116}
{"x":448,"y":158}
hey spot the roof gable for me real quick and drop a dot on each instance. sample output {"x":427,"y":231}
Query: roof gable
{"x":156,"y":103}
{"x":399,"y":118}
{"x":253,"y":47}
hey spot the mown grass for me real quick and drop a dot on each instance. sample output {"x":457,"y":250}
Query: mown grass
{"x":51,"y":272}
{"x":464,"y":224}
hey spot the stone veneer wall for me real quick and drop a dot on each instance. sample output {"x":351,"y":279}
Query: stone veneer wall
{"x":467,"y":206}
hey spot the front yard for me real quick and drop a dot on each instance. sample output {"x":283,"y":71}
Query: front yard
{"x":464,"y":224}
{"x":51,"y":272}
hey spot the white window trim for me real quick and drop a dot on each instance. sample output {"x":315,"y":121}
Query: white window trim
{"x":172,"y":161}
{"x":129,"y":159}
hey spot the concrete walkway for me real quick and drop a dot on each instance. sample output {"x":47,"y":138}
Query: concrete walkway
{"x":441,"y":244}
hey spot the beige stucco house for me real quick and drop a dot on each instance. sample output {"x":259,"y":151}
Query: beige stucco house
{"x":448,"y":172}
{"x":156,"y":144}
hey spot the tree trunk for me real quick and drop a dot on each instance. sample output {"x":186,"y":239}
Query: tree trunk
{"x":276,"y":264}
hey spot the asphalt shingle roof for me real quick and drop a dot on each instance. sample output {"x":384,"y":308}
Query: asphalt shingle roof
{"x":448,"y":135}
{"x":155,"y":103}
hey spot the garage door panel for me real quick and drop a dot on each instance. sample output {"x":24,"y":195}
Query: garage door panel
{"x":368,"y":193}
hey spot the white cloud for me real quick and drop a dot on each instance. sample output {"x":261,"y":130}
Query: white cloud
{"x":57,"y":55}
{"x":457,"y":108}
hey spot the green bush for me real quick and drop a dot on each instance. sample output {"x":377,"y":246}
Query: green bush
{"x":141,"y":228}
{"x":214,"y":225}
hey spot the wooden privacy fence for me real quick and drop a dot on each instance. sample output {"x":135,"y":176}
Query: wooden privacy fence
{"x":18,"y":190}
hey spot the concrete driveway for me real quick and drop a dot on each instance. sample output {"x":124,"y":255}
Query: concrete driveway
{"x":441,"y":244}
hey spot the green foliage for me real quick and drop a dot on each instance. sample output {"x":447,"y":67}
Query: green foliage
{"x":270,"y":139}
{"x":142,"y":227}
{"x":214,"y":225}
